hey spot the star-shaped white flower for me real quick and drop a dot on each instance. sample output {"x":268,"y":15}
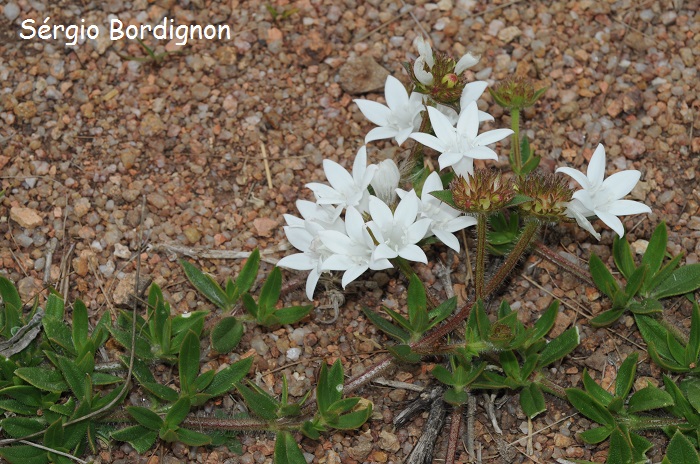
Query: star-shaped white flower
{"x":352,"y":250}
{"x":399,"y":118}
{"x":327,"y":216}
{"x":313,"y":253}
{"x":426,"y":59}
{"x":397,"y":232}
{"x":345,"y":189}
{"x":460,"y":146}
{"x":444,"y":220}
{"x":603,"y":197}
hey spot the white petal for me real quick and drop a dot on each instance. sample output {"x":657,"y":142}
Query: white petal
{"x":299,"y":237}
{"x":297,"y":261}
{"x":468,"y":123}
{"x":481,"y":153}
{"x":417,"y":230}
{"x":384,"y":252}
{"x":380,"y":264}
{"x":424,"y":50}
{"x":449,"y":158}
{"x":441,"y":125}
{"x":375,"y":112}
{"x":403,"y":134}
{"x":492,"y":136}
{"x":464,"y":167}
{"x":311,"y":282}
{"x":627,"y":207}
{"x":423,"y":76}
{"x":395,"y":93}
{"x":429,"y":141}
{"x":621,"y":183}
{"x":407,"y":210}
{"x":381,"y":214}
{"x":472,"y":92}
{"x":596,"y":168}
{"x":336,"y":241}
{"x":380,"y":133}
{"x":359,"y":166}
{"x":577,"y":175}
{"x":611,"y":221}
{"x":354,"y":225}
{"x":413,"y":253}
{"x":293,"y":221}
{"x":339,"y":178}
{"x":431,"y":184}
{"x":484,"y":116}
{"x":337,"y":263}
{"x":459,"y":223}
{"x":466,"y":62}
{"x":353,"y":273}
{"x":447,"y":238}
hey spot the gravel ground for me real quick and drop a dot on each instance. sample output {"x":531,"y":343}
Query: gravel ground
{"x":87,"y":133}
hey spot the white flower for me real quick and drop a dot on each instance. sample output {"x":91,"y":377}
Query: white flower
{"x":460,"y":146}
{"x":352,"y":250}
{"x":397,"y":232}
{"x":426,"y":59}
{"x":345,"y":189}
{"x":471,"y":93}
{"x":313,"y":253}
{"x":602,"y":197}
{"x":444,"y":220}
{"x":386,"y":181}
{"x":399,"y":118}
{"x":326,"y":215}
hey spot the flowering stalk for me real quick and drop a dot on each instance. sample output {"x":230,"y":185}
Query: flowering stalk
{"x":480,"y":254}
{"x":531,"y":228}
{"x":515,"y":141}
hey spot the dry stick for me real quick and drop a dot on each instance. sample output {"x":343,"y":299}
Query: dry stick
{"x":471,"y":424}
{"x":422,"y":451}
{"x":211,"y":254}
{"x":51,"y":248}
{"x":267,"y":165}
{"x":453,"y":440}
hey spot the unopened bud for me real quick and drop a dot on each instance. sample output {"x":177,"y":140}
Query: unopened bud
{"x":485,"y":190}
{"x":550,"y":195}
{"x":450,"y":80}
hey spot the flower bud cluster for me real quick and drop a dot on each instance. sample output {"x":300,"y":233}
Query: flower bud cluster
{"x":549,"y":196}
{"x":516,"y":93}
{"x":483,"y":191}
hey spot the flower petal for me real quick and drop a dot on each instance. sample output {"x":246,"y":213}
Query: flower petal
{"x":472,"y":92}
{"x":447,"y":238}
{"x":337,"y":263}
{"x":339,"y":178}
{"x":596,"y":167}
{"x":299,"y":237}
{"x":492,"y":136}
{"x":406,"y":210}
{"x":575,"y":174}
{"x":403,"y":135}
{"x":481,"y":153}
{"x":353,"y":273}
{"x":383,"y":251}
{"x":413,"y":253}
{"x":627,"y":207}
{"x":468,"y":123}
{"x":611,"y":221}
{"x":297,"y":261}
{"x":423,"y":76}
{"x":375,"y":112}
{"x":484,"y":116}
{"x":380,"y":133}
{"x":381,"y":214}
{"x":441,"y":125}
{"x":621,"y":183}
{"x":417,"y":230}
{"x":429,"y":141}
{"x":449,"y":158}
{"x":466,"y":62}
{"x":311,"y":282}
{"x":395,"y":93}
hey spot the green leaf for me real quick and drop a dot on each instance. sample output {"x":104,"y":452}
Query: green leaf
{"x":648,"y":398}
{"x":292,"y":314}
{"x":353,"y":419}
{"x":75,"y":378}
{"x":620,"y":449}
{"x":386,"y":326}
{"x":622,"y":254}
{"x":188,"y":361}
{"x":607,"y":318}
{"x":680,"y":450}
{"x":252,"y":307}
{"x":683,"y":280}
{"x":443,"y":375}
{"x":137,"y":436}
{"x":260,"y":402}
{"x":417,"y":305}
{"x":18,"y":427}
{"x":646,"y":306}
{"x":330,"y":386}
{"x":455,"y":397}
{"x":656,"y":249}
{"x":270,"y":292}
{"x":510,"y":365}
{"x":595,"y":435}
{"x":592,"y":388}
{"x":42,"y":378}
{"x":10,"y":295}
{"x":681,"y":406}
{"x":404,"y":353}
{"x":203,"y":380}
{"x":161,"y":391}
{"x":80,"y":324}
{"x":343,"y":405}
{"x":226,"y":379}
{"x":24,"y":454}
{"x":518,"y":199}
{"x":286,"y":450}
{"x":226,"y":334}
{"x":654,"y":334}
{"x":625,"y":376}
{"x":560,"y":347}
{"x":589,"y":407}
{"x":145,"y":417}
{"x":532,"y":400}
{"x":246,"y":278}
{"x":206,"y":285}
{"x":443,"y":310}
{"x":53,"y":437}
{"x":602,"y":277}
{"x":402,"y":321}
{"x":54,"y":307}
{"x":692,"y":350}
{"x":635,"y":281}
{"x":445,"y":196}
{"x":545,"y":323}
{"x":59,"y":334}
{"x":192,"y":438}
{"x":177,"y":413}
{"x":663,"y":274}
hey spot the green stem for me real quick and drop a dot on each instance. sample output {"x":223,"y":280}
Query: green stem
{"x":531,"y":228}
{"x":515,"y":147}
{"x":213,"y":423}
{"x":480,"y":255}
{"x":677,"y":333}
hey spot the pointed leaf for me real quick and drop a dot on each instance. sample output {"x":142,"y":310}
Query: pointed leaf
{"x":443,"y":310}
{"x":80,"y":324}
{"x":446,"y":197}
{"x":693,"y":347}
{"x":680,"y":450}
{"x":510,"y":365}
{"x":177,"y":413}
{"x":607,"y":318}
{"x":386,"y":326}
{"x":24,"y":454}
{"x":261,"y":403}
{"x":683,"y":280}
{"x":330,"y":386}
{"x":270,"y":292}
{"x":663,"y":274}
{"x":74,"y":377}
{"x":188,"y":361}
{"x":625,"y":376}
{"x":649,"y":398}
{"x":622,"y":254}
{"x":589,"y":407}
{"x":646,"y":306}
{"x":602,"y":277}
{"x":532,"y":400}
{"x":560,"y":347}
{"x":246,"y":278}
{"x":192,"y":438}
{"x":137,"y":436}
{"x":417,"y":305}
{"x":206,"y":285}
{"x":18,"y":427}
{"x":635,"y":280}
{"x":226,"y":335}
{"x":404,"y":353}
{"x":353,"y":419}
{"x":292,"y":314}
{"x":145,"y":417}
{"x":443,"y":375}
{"x":226,"y":379}
{"x":595,"y":435}
{"x":592,"y":388}
{"x":42,"y":378}
{"x":286,"y":450}
{"x":656,"y":249}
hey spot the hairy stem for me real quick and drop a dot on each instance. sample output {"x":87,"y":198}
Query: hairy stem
{"x":453,"y":440}
{"x":480,"y":255}
{"x":531,"y":228}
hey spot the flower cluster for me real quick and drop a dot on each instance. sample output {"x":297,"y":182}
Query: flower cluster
{"x":364,"y":220}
